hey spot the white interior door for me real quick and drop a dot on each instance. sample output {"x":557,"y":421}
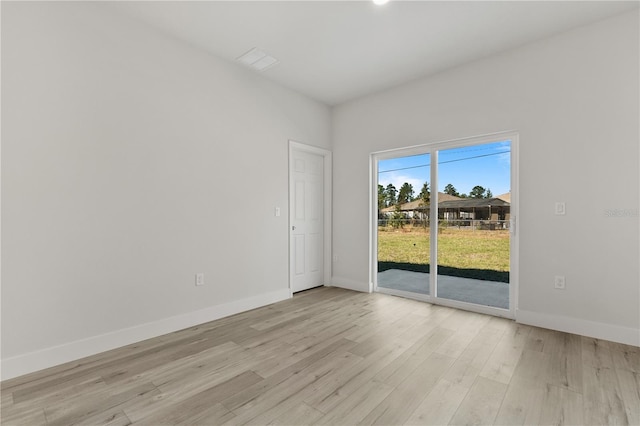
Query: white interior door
{"x":307,"y":220}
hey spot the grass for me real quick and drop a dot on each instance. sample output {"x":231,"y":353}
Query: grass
{"x":463,"y":253}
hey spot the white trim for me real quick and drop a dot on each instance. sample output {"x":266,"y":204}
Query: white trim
{"x":328,"y":212}
{"x":27,"y":363}
{"x":582,"y":327}
{"x":445,"y":144}
{"x":1,"y":175}
{"x":350,"y":284}
{"x":514,"y":226}
{"x":373,"y":223}
{"x":405,"y":294}
{"x":473,"y":307}
{"x":433,"y":224}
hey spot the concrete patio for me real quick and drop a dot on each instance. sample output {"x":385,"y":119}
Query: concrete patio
{"x":487,"y":293}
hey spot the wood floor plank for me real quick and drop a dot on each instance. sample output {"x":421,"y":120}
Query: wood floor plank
{"x":334,"y":390}
{"x":26,"y":416}
{"x":181,"y":385}
{"x":532,"y":369}
{"x":407,"y":396}
{"x":469,"y":364}
{"x":522,"y":404}
{"x":536,"y":339}
{"x":165,"y":362}
{"x":596,"y":353}
{"x":481,"y":404}
{"x":301,"y":414}
{"x":97,"y":406}
{"x":562,"y":407}
{"x":287,"y":409}
{"x":502,"y":362}
{"x":565,"y":364}
{"x":203,"y":405}
{"x":260,"y":409}
{"x":457,"y":343}
{"x":302,"y":349}
{"x":625,"y":357}
{"x":62,"y":391}
{"x":110,"y":417}
{"x":602,"y":395}
{"x":406,"y":364}
{"x":82,"y":367}
{"x":630,"y":392}
{"x":440,"y":405}
{"x":260,"y":388}
{"x":334,"y":356}
{"x":354,"y":408}
{"x":212,"y":415}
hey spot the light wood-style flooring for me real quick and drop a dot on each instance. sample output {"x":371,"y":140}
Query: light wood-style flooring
{"x":333,"y":356}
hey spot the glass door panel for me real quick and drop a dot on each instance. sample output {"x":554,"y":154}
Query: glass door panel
{"x":473,"y":242}
{"x":403,"y":224}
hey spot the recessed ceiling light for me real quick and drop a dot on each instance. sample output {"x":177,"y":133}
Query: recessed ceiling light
{"x":257,"y":59}
{"x":380,"y":2}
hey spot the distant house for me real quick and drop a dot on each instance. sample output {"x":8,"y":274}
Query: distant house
{"x":417,"y":208}
{"x":491,"y":209}
{"x":451,"y":208}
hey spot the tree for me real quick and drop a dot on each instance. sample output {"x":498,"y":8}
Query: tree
{"x":398,"y":217}
{"x":425,"y":194}
{"x":406,"y":193}
{"x":451,"y":190}
{"x":390,"y":192}
{"x":477,"y":192}
{"x":424,"y":197}
{"x":489,"y":194}
{"x":382,"y":198}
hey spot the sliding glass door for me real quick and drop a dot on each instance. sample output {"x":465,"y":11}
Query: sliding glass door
{"x":466,"y":224}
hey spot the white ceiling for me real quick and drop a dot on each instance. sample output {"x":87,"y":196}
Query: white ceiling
{"x":335,"y":51}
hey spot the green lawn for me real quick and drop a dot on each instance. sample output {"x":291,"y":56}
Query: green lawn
{"x":471,"y":254}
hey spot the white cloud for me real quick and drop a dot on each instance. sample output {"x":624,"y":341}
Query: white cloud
{"x":398,"y":179}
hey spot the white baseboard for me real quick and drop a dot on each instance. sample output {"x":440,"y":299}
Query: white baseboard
{"x":598,"y":330}
{"x":350,"y":284}
{"x":27,"y":363}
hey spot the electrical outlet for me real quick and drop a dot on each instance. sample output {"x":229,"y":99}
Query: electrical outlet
{"x":200,"y":278}
{"x":335,"y":257}
{"x":560,"y":282}
{"x":561,"y":209}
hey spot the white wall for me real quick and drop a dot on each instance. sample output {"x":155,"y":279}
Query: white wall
{"x":130,"y":162}
{"x":574,"y":100}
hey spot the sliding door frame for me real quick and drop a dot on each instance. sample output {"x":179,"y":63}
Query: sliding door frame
{"x":432,"y":149}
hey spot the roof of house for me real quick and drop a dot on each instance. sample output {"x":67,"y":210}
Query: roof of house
{"x":419,"y":204}
{"x":451,"y":202}
{"x":505,"y":197}
{"x":463,"y":203}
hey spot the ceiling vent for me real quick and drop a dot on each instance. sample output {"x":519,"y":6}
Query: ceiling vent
{"x":257,"y":59}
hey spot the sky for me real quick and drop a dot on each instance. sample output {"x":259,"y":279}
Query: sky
{"x":487,"y":165}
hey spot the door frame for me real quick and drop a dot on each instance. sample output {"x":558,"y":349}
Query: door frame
{"x":327,"y":211}
{"x":432,"y":148}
